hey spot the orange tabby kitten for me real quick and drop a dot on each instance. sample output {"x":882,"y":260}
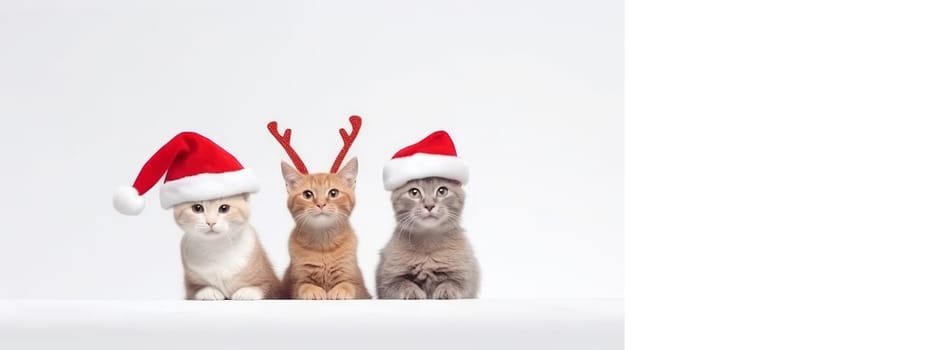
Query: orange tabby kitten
{"x":323,"y":246}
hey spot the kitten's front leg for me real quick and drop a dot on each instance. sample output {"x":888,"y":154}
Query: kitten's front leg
{"x":402,"y":289}
{"x":342,"y":291}
{"x":209,"y":293}
{"x":448,"y":289}
{"x":248,"y":293}
{"x":309,"y":291}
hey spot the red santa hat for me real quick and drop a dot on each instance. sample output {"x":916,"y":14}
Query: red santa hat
{"x":434,"y":156}
{"x":194,"y":169}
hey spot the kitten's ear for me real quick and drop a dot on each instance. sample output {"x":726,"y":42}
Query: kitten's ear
{"x":349,"y":172}
{"x":291,"y":175}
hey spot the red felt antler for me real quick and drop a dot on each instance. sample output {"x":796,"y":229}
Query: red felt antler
{"x":285,"y":141}
{"x":355,"y":122}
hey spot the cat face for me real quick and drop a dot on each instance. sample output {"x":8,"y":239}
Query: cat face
{"x":321,"y":200}
{"x":429,"y":204}
{"x":213,"y":219}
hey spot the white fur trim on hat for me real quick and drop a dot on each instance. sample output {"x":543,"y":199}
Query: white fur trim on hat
{"x":399,"y":171}
{"x":207,"y":186}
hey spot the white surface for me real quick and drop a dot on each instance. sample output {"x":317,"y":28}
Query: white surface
{"x":785,"y":181}
{"x":370,"y":324}
{"x":531,"y":92}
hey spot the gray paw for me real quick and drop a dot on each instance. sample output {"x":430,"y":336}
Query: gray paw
{"x":410,"y":291}
{"x":447,"y":291}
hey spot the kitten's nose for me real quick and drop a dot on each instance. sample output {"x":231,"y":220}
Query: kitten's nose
{"x":429,"y":207}
{"x":321,"y":206}
{"x":211,"y":223}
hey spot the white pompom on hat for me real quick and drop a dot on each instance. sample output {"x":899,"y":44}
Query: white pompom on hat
{"x":433,"y":156}
{"x":194,"y":168}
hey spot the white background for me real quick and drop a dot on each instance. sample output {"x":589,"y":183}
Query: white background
{"x":531,"y":91}
{"x":785,"y":174}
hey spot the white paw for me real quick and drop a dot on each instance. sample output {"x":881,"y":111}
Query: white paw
{"x":248,"y":293}
{"x":209,"y":293}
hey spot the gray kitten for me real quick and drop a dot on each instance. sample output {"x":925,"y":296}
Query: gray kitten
{"x":428,"y":256}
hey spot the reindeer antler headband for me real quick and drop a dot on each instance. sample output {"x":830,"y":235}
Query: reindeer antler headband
{"x":285,"y":141}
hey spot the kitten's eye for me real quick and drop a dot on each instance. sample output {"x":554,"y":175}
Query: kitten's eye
{"x":414,"y":192}
{"x":223,"y":209}
{"x":197,"y":208}
{"x":308,"y":194}
{"x":333,"y":193}
{"x":442,"y":191}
